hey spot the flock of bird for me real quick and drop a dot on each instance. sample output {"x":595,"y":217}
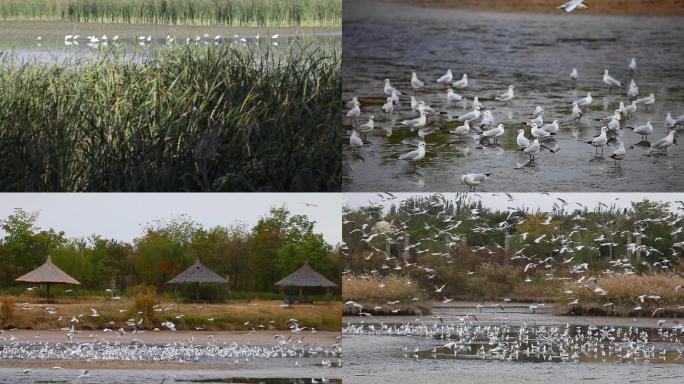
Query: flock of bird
{"x":443,"y":237}
{"x":467,"y":339}
{"x":481,"y":124}
{"x":94,"y":41}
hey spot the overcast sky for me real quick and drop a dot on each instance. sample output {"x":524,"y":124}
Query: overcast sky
{"x":121,"y":215}
{"x":529,"y":200}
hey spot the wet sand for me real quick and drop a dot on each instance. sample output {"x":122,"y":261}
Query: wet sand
{"x":603,"y":7}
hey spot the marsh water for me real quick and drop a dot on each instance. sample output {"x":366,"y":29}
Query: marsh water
{"x":534,"y":52}
{"x":45,"y":42}
{"x":414,"y":349}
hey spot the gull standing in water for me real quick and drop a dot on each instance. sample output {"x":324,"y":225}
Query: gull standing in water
{"x":419,"y":122}
{"x":415,"y":155}
{"x":415,"y":83}
{"x":508,"y":95}
{"x":586,"y":101}
{"x":600,"y":141}
{"x":446,"y":78}
{"x":472,"y":180}
{"x":551,"y":128}
{"x":664,"y":143}
{"x":650,"y":100}
{"x":576,"y":111}
{"x":632,"y":65}
{"x":355,"y":141}
{"x":388,"y":107}
{"x":533,"y":149}
{"x":619,"y":153}
{"x":389,"y":88}
{"x":538,"y":111}
{"x":572,"y":5}
{"x":644,"y":130}
{"x":538,"y":133}
{"x":610,"y":81}
{"x":670,"y":122}
{"x":355,"y":111}
{"x":367,"y":127}
{"x":574,"y":76}
{"x":473,"y":115}
{"x":633,"y":90}
{"x":462,"y":130}
{"x":453,"y":96}
{"x":523,"y":142}
{"x":476,"y":103}
{"x":460,"y":84}
{"x":494,"y":133}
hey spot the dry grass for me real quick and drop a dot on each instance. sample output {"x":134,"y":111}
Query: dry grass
{"x":366,"y":291}
{"x":6,"y":310}
{"x":623,"y":292}
{"x":232,"y":316}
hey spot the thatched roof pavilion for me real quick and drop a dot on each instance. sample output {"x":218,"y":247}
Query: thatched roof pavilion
{"x":48,"y":273}
{"x":196,"y":274}
{"x":305,"y":276}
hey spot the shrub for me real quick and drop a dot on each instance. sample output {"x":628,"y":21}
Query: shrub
{"x":6,"y":310}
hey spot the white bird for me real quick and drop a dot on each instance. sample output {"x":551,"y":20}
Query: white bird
{"x":508,"y":95}
{"x":415,"y":155}
{"x":670,"y":122}
{"x":539,"y":120}
{"x":487,"y":119}
{"x":632,"y":65}
{"x":419,"y":122}
{"x":551,"y":128}
{"x":355,"y":141}
{"x":389,"y":88}
{"x":609,"y":80}
{"x":600,"y":141}
{"x":650,"y":100}
{"x":644,"y":130}
{"x":523,"y":142}
{"x":572,"y":5}
{"x":494,"y":133}
{"x":476,"y":103}
{"x":388,"y":107}
{"x":633,"y":90}
{"x":460,"y":84}
{"x":472,"y":115}
{"x":538,"y":133}
{"x":415,"y":83}
{"x":355,"y":111}
{"x":585,"y":101}
{"x":368,"y":126}
{"x":619,"y":153}
{"x":453,"y":96}
{"x":533,"y":149}
{"x":462,"y":130}
{"x":472,"y":180}
{"x":275,"y":36}
{"x":573,"y":75}
{"x":446,"y":78}
{"x":538,"y":111}
{"x":664,"y":143}
{"x":576,"y":111}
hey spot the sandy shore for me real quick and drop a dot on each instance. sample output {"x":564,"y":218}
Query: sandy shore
{"x":163,"y":337}
{"x":602,"y":7}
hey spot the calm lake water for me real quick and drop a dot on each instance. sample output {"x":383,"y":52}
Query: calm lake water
{"x":536,"y":53}
{"x":21,"y":39}
{"x":377,"y":357}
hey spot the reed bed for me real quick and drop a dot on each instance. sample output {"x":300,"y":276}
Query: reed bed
{"x":263,"y":13}
{"x":365,"y":290}
{"x":186,"y":119}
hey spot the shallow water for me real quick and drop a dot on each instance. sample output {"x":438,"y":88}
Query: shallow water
{"x":20,"y":39}
{"x":535,"y":53}
{"x":382,"y":358}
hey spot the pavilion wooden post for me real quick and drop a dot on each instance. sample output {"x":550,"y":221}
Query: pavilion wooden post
{"x":48,"y":292}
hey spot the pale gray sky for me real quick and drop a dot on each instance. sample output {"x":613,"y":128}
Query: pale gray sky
{"x":529,"y":200}
{"x":121,"y":215}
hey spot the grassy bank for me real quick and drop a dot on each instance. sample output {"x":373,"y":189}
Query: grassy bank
{"x":394,"y":298}
{"x":189,"y":119}
{"x":179,"y":12}
{"x":231,"y":316}
{"x":626,"y":295}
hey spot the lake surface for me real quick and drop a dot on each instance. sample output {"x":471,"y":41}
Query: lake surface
{"x":534,"y":52}
{"x":389,"y":349}
{"x":45,"y":42}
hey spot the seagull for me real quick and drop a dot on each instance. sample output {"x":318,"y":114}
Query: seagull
{"x":585,"y":101}
{"x":419,"y":122}
{"x":538,"y":111}
{"x":473,"y":115}
{"x":389,"y":88}
{"x":355,"y":111}
{"x":551,"y":128}
{"x":476,"y":103}
{"x":619,"y":153}
{"x":472,"y":180}
{"x":355,"y":141}
{"x":633,"y":90}
{"x":523,"y":142}
{"x":572,"y":5}
{"x":453,"y":96}
{"x":650,"y":100}
{"x":644,"y":130}
{"x":415,"y":155}
{"x":632,"y":65}
{"x":610,"y":81}
{"x":446,"y":78}
{"x":494,"y":133}
{"x":600,"y":141}
{"x":576,"y":111}
{"x":460,"y":84}
{"x":367,"y":127}
{"x":533,"y":149}
{"x":415,"y":83}
{"x":508,"y":96}
{"x":462,"y":130}
{"x":538,"y":133}
{"x":664,"y":143}
{"x":388,"y":107}
{"x":670,"y":122}
{"x":573,"y":75}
